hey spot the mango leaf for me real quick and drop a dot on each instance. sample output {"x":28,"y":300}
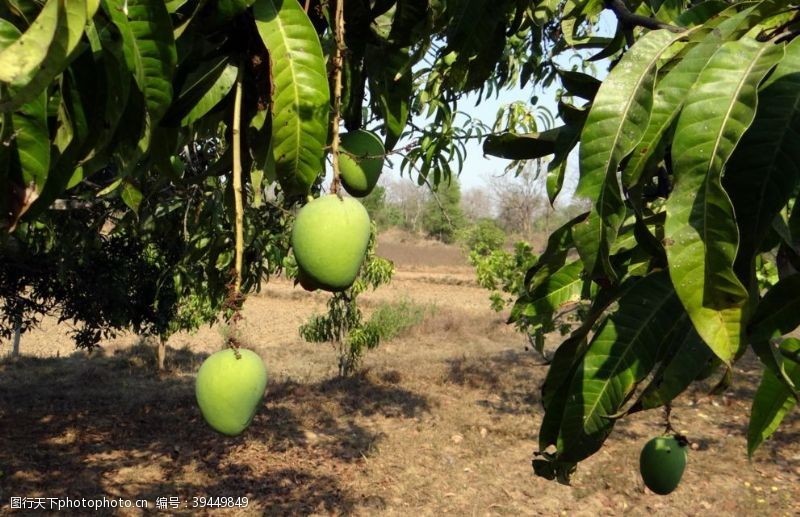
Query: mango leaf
{"x":194,"y":78}
{"x":555,"y":180}
{"x":621,"y":354}
{"x":391,"y":84}
{"x":109,"y":57}
{"x":301,"y":100}
{"x":778,"y":313}
{"x":32,"y":140}
{"x":69,"y":31}
{"x":19,"y":61}
{"x":226,"y":10}
{"x":701,"y":13}
{"x":765,"y":167}
{"x":568,"y":357}
{"x":149,"y":49}
{"x":528,"y":146}
{"x":560,"y":287}
{"x":579,"y":84}
{"x":555,"y":254}
{"x":614,"y":126}
{"x":686,"y":358}
{"x":566,"y":140}
{"x":131,"y":196}
{"x":701,"y":233}
{"x":218,"y":91}
{"x":354,"y":82}
{"x":671,"y":91}
{"x":772,"y":401}
{"x":410,"y":16}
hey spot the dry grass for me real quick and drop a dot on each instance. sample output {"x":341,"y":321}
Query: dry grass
{"x":442,"y":420}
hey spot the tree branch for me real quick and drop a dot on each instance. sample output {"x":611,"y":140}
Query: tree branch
{"x":339,"y":47}
{"x":626,"y":17}
{"x":237,"y":182}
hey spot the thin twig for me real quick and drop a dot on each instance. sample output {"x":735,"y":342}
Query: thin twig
{"x":626,"y":17}
{"x":337,"y":92}
{"x":237,"y":181}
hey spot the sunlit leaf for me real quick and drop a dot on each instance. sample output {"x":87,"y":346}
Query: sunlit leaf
{"x":301,"y":100}
{"x":700,"y":228}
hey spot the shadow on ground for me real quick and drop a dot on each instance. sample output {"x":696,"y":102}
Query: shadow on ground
{"x":110,"y":425}
{"x":512,"y":378}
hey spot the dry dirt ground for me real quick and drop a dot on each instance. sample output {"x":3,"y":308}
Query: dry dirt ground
{"x":442,"y":420}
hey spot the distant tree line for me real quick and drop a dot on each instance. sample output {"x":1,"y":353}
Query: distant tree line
{"x":509,"y":208}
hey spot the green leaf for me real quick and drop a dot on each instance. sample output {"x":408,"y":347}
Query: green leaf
{"x":301,"y":99}
{"x":687,"y":357}
{"x":614,"y":126}
{"x":193,"y":80}
{"x":218,"y":91}
{"x":568,"y":357}
{"x":622,"y":353}
{"x":765,"y":167}
{"x":701,"y":13}
{"x":555,"y":180}
{"x":555,"y":254}
{"x":131,"y":196}
{"x":19,"y":61}
{"x":700,"y":228}
{"x":149,"y":49}
{"x":32,"y":140}
{"x":671,"y":91}
{"x":391,"y":84}
{"x":559,"y":288}
{"x":772,"y":401}
{"x":579,"y":84}
{"x":69,"y":31}
{"x":778,"y":313}
{"x":116,"y":89}
{"x":410,"y":16}
{"x":529,"y":146}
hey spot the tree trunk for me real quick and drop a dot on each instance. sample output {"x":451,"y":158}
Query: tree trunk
{"x":162,"y":353}
{"x":15,"y":346}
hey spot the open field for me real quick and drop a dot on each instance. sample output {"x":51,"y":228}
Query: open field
{"x":442,"y":420}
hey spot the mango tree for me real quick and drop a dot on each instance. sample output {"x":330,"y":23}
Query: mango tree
{"x":163,"y":126}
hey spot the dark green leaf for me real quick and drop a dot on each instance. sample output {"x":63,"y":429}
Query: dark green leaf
{"x":529,"y":146}
{"x":765,"y":168}
{"x":149,"y":49}
{"x":622,"y":353}
{"x":687,"y":356}
{"x":70,"y":29}
{"x":579,"y":84}
{"x":772,"y":401}
{"x":391,"y":84}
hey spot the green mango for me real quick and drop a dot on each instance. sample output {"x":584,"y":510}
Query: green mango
{"x":661,"y":464}
{"x":229,"y":390}
{"x":361,"y":164}
{"x":329,"y":239}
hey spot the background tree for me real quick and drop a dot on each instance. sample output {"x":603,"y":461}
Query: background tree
{"x":409,"y":200}
{"x":477,"y":204}
{"x":442,"y":216}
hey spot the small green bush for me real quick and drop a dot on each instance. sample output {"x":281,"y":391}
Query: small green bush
{"x":483,"y":237}
{"x":392,"y":319}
